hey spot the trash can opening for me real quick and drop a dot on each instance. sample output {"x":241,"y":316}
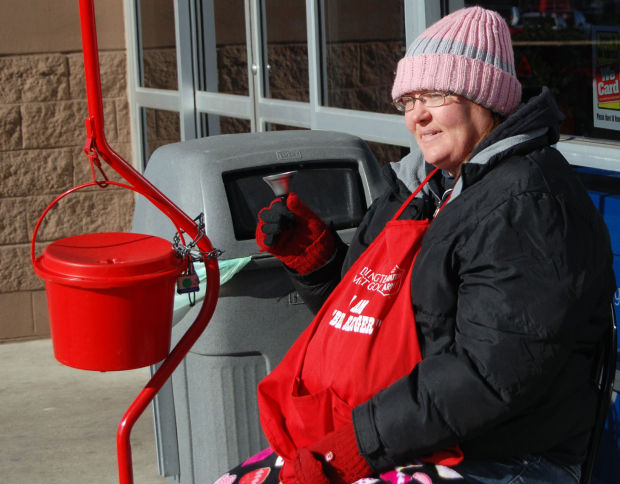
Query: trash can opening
{"x":334,"y":190}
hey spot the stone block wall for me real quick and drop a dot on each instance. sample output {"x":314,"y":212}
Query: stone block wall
{"x":42,"y":110}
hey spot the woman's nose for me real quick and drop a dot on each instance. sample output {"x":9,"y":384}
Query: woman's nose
{"x":419,"y":114}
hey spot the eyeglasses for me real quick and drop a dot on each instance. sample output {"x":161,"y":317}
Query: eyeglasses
{"x":429,"y":99}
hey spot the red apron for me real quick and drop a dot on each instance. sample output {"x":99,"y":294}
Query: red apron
{"x":362,"y":340}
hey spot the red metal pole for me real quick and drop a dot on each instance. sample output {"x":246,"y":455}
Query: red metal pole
{"x":180,"y":218}
{"x":95,"y":109}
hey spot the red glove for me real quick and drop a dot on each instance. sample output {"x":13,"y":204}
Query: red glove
{"x":333,"y":459}
{"x":294,"y":234}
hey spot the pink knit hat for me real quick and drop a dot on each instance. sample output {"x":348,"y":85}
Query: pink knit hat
{"x":468,"y":52}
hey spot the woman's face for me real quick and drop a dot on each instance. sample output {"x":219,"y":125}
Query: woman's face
{"x":447,"y":134}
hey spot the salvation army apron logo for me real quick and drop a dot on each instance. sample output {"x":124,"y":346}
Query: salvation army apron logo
{"x":384,"y":284}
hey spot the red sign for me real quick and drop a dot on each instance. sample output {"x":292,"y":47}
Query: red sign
{"x":607,"y":84}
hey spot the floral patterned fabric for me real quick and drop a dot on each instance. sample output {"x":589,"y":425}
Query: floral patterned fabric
{"x":264,"y":468}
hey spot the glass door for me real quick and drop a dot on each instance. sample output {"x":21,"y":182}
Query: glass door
{"x":209,"y":67}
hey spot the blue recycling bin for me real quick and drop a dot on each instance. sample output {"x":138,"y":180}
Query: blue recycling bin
{"x":610,"y":207}
{"x":604,"y":190}
{"x":617,"y":301}
{"x":608,"y":466}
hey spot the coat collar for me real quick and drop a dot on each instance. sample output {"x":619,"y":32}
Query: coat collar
{"x":533,"y":125}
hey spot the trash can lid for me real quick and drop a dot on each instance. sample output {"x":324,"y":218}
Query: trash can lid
{"x":108,"y":258}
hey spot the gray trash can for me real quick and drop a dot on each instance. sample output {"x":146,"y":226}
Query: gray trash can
{"x":206,"y":416}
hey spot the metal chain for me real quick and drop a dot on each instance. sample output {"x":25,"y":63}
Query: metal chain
{"x":191,"y":250}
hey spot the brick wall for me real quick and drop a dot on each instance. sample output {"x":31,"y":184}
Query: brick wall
{"x":42,"y":111}
{"x":43,"y":106}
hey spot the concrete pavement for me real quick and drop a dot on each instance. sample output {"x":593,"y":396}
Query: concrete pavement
{"x":58,"y":424}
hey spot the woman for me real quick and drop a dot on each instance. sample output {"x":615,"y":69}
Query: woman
{"x":459,"y":326}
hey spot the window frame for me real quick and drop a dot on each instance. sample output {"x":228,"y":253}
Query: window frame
{"x":199,"y":109}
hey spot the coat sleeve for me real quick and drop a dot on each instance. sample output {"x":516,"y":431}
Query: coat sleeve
{"x":519,"y":301}
{"x":315,"y":287}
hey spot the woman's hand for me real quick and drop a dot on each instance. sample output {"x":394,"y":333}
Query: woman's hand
{"x":333,"y":459}
{"x":294,"y":234}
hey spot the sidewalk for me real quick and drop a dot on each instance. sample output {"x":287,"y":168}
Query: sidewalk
{"x":58,"y":424}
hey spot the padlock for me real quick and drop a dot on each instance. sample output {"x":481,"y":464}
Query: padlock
{"x":188,"y":282}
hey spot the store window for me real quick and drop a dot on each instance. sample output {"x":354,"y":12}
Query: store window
{"x":159,"y":61}
{"x":286,"y":49}
{"x":387,"y":153}
{"x":162,"y":128}
{"x":573,"y":47}
{"x":224,"y":124}
{"x":363,"y":43}
{"x":234,"y":125}
{"x":229,"y":72}
{"x":280,"y":127}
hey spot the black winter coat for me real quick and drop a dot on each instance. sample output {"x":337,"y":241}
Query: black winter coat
{"x":510,"y":292}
